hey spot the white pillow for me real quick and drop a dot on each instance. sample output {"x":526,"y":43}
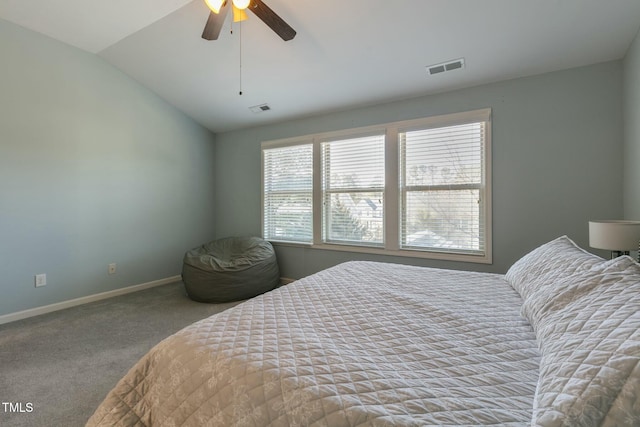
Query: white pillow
{"x":549,"y":263}
{"x":589,"y":337}
{"x":555,"y":295}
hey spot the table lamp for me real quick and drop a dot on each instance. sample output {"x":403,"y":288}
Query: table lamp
{"x":619,"y":237}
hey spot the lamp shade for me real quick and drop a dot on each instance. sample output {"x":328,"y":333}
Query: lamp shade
{"x":614,"y":235}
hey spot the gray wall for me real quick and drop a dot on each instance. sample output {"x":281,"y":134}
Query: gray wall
{"x":557,"y":153}
{"x":632,"y":131}
{"x":94,"y":169}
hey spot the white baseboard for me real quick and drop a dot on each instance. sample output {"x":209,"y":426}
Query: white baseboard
{"x":19,"y":315}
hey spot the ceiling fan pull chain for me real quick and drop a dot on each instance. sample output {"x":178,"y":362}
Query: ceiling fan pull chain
{"x":240,"y":70}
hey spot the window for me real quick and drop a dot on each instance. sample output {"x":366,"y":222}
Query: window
{"x":442,"y":188}
{"x":287,"y":193}
{"x":416,"y":188}
{"x":353,"y":190}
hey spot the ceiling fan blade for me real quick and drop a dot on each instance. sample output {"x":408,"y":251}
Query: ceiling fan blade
{"x":215,"y":23}
{"x":272,"y":20}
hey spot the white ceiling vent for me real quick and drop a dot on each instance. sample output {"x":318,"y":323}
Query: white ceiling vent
{"x":446,"y":66}
{"x":260,"y":108}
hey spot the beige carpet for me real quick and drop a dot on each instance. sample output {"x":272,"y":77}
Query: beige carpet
{"x":55,"y":369}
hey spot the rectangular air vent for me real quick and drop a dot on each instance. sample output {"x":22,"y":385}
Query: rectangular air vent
{"x":446,"y":66}
{"x":260,"y":108}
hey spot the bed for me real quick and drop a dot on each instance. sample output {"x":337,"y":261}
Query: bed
{"x":553,"y":342}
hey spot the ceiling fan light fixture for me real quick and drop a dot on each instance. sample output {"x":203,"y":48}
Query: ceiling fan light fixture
{"x":215,"y":21}
{"x":215,"y":5}
{"x":241,"y":4}
{"x":239,"y":15}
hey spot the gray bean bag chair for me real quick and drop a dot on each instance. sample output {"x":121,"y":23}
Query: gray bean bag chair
{"x":230,"y":269}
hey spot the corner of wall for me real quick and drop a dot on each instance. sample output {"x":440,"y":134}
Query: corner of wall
{"x":631,"y":135}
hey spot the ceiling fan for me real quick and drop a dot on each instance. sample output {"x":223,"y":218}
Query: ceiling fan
{"x":219,"y":9}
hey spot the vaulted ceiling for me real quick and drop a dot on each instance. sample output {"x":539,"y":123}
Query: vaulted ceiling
{"x":347,"y":53}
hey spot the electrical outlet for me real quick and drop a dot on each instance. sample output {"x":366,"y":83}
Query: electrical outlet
{"x":112,"y":268}
{"x":41,"y":280}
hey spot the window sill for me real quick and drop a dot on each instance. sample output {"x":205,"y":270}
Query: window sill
{"x":442,"y":256}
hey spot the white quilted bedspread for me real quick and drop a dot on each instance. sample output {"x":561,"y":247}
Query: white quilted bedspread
{"x":359,"y":344}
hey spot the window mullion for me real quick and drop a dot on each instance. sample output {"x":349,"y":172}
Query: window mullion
{"x":447,"y":187}
{"x":355,"y":190}
{"x":391,"y":192}
{"x":318,"y":203}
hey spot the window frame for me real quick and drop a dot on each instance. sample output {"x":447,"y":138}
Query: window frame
{"x":392,"y":219}
{"x":326,"y":189}
{"x":279,"y":145}
{"x":406,"y":189}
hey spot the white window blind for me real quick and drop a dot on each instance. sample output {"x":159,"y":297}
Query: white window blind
{"x":287,"y":193}
{"x":442,"y":189}
{"x":416,"y":188}
{"x":353,"y":180}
